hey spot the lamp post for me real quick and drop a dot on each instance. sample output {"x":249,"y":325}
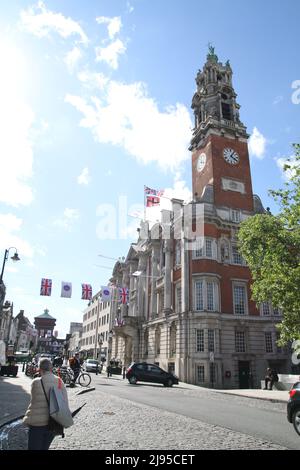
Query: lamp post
{"x":14,"y":258}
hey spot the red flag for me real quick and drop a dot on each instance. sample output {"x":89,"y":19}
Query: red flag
{"x":152,"y":201}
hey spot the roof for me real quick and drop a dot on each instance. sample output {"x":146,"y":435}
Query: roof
{"x":45,"y":315}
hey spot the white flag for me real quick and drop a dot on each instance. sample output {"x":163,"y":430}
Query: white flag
{"x":66,"y":289}
{"x":106,"y":294}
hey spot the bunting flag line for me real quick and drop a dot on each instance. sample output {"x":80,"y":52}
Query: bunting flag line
{"x":106,"y":294}
{"x":123,"y":295}
{"x":46,"y":287}
{"x":86,"y":292}
{"x":66,"y":289}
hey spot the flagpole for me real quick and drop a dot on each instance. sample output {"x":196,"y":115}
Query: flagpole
{"x":144,"y":204}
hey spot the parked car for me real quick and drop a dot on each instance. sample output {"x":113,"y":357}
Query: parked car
{"x":144,"y":372}
{"x":90,"y":365}
{"x":293,"y":407}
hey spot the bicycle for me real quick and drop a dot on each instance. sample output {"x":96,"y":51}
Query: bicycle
{"x":67,"y":376}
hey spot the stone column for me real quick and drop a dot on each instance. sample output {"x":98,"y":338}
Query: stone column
{"x":168,"y":279}
{"x":154,"y":276}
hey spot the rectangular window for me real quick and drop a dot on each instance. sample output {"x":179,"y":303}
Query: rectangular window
{"x":268,"y":342}
{"x":199,"y":295}
{"x":236,"y":257}
{"x":210,"y":295}
{"x":198,"y":248}
{"x":265,"y":308}
{"x":276,"y":311}
{"x":200,"y":340}
{"x":211,"y":340}
{"x":239,"y":294}
{"x":235,"y":215}
{"x":208,"y":248}
{"x":240,"y":345}
{"x":200,"y":374}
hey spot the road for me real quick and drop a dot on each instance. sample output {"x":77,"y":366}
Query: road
{"x":257,"y":418}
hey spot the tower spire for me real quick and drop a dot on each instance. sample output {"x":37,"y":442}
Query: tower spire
{"x":214,"y":103}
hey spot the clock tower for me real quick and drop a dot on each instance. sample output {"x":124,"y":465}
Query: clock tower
{"x":220,"y":159}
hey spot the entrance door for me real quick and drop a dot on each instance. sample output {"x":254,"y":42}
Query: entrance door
{"x":244,"y":373}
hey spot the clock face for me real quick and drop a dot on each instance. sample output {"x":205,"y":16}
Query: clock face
{"x":231,"y":156}
{"x":201,"y":162}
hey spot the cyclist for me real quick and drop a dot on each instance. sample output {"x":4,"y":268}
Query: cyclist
{"x":75,"y":366}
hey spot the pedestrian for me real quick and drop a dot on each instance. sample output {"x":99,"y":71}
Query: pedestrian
{"x":37,"y":414}
{"x":272,"y":377}
{"x":97,"y":368}
{"x":124,"y":372}
{"x":108,"y":371}
{"x":58,"y":361}
{"x":75,"y":366}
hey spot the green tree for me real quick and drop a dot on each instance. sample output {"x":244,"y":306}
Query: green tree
{"x":270,"y":244}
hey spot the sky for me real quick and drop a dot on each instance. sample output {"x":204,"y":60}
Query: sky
{"x":95,"y":103}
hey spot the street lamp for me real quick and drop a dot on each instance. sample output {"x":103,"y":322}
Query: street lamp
{"x":15,"y":257}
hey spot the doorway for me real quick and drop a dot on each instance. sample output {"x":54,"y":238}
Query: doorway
{"x":244,"y":374}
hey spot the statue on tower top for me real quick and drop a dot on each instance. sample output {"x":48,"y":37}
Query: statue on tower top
{"x":211,"y":53}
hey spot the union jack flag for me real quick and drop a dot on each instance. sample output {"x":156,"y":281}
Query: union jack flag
{"x":86,"y":291}
{"x":46,"y":287}
{"x":123,"y":295}
{"x":154,"y":192}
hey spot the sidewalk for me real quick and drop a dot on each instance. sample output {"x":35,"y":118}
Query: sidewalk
{"x":257,"y":393}
{"x":14,"y":397}
{"x":269,"y":395}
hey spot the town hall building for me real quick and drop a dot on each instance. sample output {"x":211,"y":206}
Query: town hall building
{"x":190,"y":307}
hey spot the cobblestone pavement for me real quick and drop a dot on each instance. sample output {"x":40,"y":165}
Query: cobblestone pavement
{"x":111,"y":423}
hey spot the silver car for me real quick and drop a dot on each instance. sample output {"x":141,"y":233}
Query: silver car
{"x":91,"y":365}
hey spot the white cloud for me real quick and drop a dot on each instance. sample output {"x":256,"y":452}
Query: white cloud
{"x":110,"y":54}
{"x":93,"y":80}
{"x":281,"y":162}
{"x":84,"y":177}
{"x":278,"y":99}
{"x":9,"y":224}
{"x":69,"y":218}
{"x":126,"y":116}
{"x":40,"y":22}
{"x":114,"y":24}
{"x":73,"y":57}
{"x":257,"y":144}
{"x":130,"y":8}
{"x":16,"y":120}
